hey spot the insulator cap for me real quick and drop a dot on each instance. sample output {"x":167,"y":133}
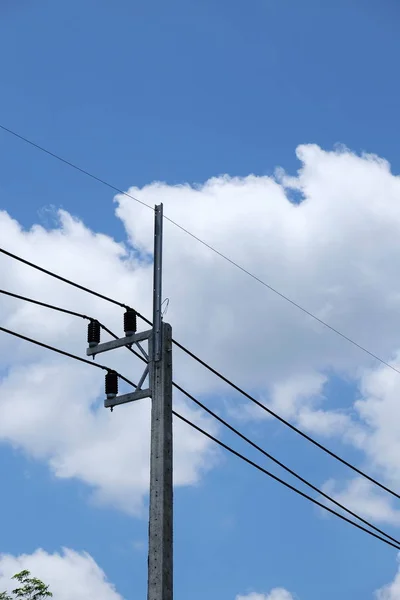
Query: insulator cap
{"x":111,"y":384}
{"x":93,"y":335}
{"x":130,"y":322}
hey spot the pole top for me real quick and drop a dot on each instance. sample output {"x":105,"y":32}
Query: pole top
{"x":157,"y":287}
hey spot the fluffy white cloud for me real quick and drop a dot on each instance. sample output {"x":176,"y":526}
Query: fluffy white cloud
{"x":330,"y":254}
{"x":376,"y":411}
{"x":335,"y":253}
{"x":378,"y":408}
{"x":275,"y":594}
{"x":69,"y":574}
{"x":364,"y":498}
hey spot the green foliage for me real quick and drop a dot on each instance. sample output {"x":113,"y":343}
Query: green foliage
{"x":31,"y":588}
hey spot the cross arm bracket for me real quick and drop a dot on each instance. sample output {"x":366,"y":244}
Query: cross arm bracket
{"x":125,"y":341}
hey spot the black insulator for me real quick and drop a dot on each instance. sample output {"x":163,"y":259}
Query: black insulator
{"x":93,"y":334}
{"x":130,"y":322}
{"x":111,"y":384}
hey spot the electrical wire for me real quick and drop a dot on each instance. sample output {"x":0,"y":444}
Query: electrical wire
{"x":281,"y":481}
{"x":204,"y":243}
{"x":265,"y":453}
{"x":47,"y":347}
{"x":45,"y":305}
{"x":279,"y":463}
{"x":58,"y":309}
{"x":283,"y":296}
{"x":270,"y":456}
{"x":63,"y":279}
{"x":222,"y":444}
{"x":62,"y":352}
{"x":204,"y":364}
{"x":72,"y":165}
{"x":288,"y":424}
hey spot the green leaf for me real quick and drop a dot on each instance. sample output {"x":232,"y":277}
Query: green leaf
{"x":31,"y":589}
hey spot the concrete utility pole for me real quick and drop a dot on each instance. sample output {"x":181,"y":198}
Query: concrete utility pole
{"x":161,"y":501}
{"x":159,"y":372}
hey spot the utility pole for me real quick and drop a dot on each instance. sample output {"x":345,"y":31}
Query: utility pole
{"x":159,"y":372}
{"x":160,"y":562}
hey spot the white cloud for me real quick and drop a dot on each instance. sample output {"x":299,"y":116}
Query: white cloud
{"x":336,"y":254}
{"x":329,"y":254}
{"x":362,"y":497}
{"x":69,"y":574}
{"x":377,"y":411}
{"x":275,"y":594}
{"x":288,"y":397}
{"x":390,"y":591}
{"x":378,"y":407}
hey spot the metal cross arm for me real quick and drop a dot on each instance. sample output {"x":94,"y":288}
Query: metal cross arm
{"x":113,"y":399}
{"x":129,"y":340}
{"x":125,"y":398}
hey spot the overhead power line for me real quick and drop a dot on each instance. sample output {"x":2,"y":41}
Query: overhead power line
{"x":209,"y":368}
{"x":65,"y":311}
{"x":394,"y":544}
{"x":52,"y":348}
{"x":201,"y":241}
{"x":270,"y":456}
{"x":62,"y":352}
{"x":282,"y":482}
{"x":57,"y":309}
{"x":72,"y":165}
{"x":63,"y":279}
{"x":280,"y":463}
{"x":287,"y":423}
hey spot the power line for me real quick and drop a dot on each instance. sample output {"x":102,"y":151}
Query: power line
{"x":63,"y":279}
{"x":46,"y":305}
{"x":62,"y":310}
{"x":62,"y":352}
{"x":279,"y":463}
{"x":281,"y":295}
{"x":231,"y":450}
{"x":58,"y":309}
{"x":211,"y":369}
{"x":281,"y":481}
{"x":287,"y":423}
{"x":52,"y":348}
{"x":72,"y":165}
{"x":271,"y":457}
{"x":204,"y":243}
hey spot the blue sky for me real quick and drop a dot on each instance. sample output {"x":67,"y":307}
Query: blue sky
{"x":183,"y":91}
